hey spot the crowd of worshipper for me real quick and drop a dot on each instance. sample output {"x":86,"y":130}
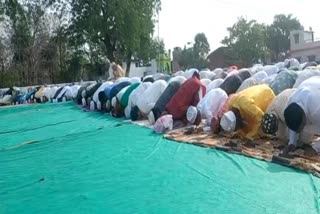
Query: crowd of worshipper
{"x":278,"y":101}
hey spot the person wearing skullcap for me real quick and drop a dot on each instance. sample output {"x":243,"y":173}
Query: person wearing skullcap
{"x":231,"y":84}
{"x":302,"y":113}
{"x":163,"y":100}
{"x":84,"y":94}
{"x":123,"y":102}
{"x":289,"y":63}
{"x":160,"y":76}
{"x":148,"y":99}
{"x":148,"y":79}
{"x":284,"y":80}
{"x":273,"y":122}
{"x":62,"y":93}
{"x":214,"y":84}
{"x":304,"y":75}
{"x":73,"y":91}
{"x":134,"y":96}
{"x":180,"y":79}
{"x":95,"y":102}
{"x":271,"y":69}
{"x":188,"y":95}
{"x":39,"y":92}
{"x":207,"y":75}
{"x":115,"y":103}
{"x":246,"y":110}
{"x":244,"y":74}
{"x":191,"y":72}
{"x":79,"y":95}
{"x":90,"y":92}
{"x":112,"y":91}
{"x":211,"y":104}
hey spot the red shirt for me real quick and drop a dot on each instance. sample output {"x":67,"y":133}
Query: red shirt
{"x":187,"y":95}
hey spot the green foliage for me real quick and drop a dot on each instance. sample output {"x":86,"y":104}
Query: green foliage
{"x":60,"y":40}
{"x":278,"y":34}
{"x":248,"y":41}
{"x":194,"y":57}
{"x":253,"y":42}
{"x":124,"y":27}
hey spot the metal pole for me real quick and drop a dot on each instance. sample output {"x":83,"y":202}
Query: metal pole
{"x":159,"y":64}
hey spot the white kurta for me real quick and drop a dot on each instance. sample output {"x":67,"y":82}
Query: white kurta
{"x":122,"y":79}
{"x":307,"y":96}
{"x":149,"y":98}
{"x":211,"y":104}
{"x":119,"y":96}
{"x":52,"y":92}
{"x":261,"y":75}
{"x":214,"y":84}
{"x":304,"y":75}
{"x":133,"y":97}
{"x":205,"y":82}
{"x":189,"y":73}
{"x":207,"y":75}
{"x":72,"y":92}
{"x":271,"y":69}
{"x":95,"y":96}
{"x":179,"y":79}
{"x":63,"y":91}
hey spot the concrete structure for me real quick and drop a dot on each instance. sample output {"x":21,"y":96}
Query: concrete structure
{"x":138,"y":71}
{"x":304,"y":47}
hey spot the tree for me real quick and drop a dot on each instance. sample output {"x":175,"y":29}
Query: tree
{"x":278,"y":34}
{"x":247,"y":39}
{"x":121,"y":25}
{"x":201,"y":49}
{"x":201,"y":45}
{"x":195,"y":56}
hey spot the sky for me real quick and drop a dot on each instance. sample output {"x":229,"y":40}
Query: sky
{"x":181,"y":20}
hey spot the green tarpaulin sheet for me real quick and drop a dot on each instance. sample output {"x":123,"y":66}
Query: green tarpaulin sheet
{"x":55,"y":158}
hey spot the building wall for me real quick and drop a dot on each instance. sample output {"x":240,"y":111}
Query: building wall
{"x":303,"y":54}
{"x":138,"y":71}
{"x":305,"y":48}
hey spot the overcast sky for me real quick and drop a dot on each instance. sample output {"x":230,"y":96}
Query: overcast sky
{"x":181,"y":20}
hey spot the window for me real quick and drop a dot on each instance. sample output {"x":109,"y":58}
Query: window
{"x":296,"y":38}
{"x":311,"y":58}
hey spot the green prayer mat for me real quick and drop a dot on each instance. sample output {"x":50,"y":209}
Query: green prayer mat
{"x":55,"y":158}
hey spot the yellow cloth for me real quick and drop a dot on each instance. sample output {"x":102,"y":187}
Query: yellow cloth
{"x":39,"y":93}
{"x":252,"y":104}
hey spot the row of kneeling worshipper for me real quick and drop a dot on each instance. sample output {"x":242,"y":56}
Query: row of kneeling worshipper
{"x":273,"y":100}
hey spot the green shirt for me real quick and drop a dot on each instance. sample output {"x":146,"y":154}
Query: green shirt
{"x":125,"y":98}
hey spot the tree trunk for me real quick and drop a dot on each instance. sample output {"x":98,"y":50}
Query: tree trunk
{"x":128,"y":64}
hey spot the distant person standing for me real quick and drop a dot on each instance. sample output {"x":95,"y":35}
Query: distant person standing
{"x":117,"y":71}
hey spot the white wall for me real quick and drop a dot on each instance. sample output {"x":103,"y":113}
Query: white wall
{"x":138,"y":71}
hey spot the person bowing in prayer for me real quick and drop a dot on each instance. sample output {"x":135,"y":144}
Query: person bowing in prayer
{"x":302,"y":114}
{"x":246,"y":110}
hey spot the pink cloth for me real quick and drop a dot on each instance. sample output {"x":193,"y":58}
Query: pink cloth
{"x":163,"y":124}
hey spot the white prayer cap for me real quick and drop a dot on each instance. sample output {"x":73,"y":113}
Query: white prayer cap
{"x":151,"y":118}
{"x":192,"y":114}
{"x":228,"y":122}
